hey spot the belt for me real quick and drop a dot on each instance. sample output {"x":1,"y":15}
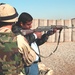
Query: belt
{"x":36,"y":61}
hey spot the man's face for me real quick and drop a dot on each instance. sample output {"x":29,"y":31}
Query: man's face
{"x":27,"y":25}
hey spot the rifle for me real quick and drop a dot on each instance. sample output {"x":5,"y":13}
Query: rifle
{"x":44,"y":28}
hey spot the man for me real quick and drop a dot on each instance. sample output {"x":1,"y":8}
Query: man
{"x":34,"y":39}
{"x":10,"y":58}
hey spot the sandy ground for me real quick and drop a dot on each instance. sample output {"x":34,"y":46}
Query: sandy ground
{"x":62,"y":62}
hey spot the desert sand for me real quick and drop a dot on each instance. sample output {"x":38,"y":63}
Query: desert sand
{"x":62,"y":62}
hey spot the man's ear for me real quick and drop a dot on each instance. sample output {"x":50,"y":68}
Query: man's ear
{"x":21,"y":24}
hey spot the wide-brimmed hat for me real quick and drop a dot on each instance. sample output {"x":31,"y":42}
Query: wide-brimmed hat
{"x":8,"y":13}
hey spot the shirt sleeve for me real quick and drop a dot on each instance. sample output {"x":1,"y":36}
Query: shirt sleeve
{"x":22,"y":43}
{"x":24,"y":48}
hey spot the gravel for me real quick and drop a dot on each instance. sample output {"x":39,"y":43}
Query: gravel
{"x":62,"y":62}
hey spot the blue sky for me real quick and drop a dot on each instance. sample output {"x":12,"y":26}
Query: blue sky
{"x":45,"y":9}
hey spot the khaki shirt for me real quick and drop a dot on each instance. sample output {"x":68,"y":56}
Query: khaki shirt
{"x":3,"y":29}
{"x":25,"y":49}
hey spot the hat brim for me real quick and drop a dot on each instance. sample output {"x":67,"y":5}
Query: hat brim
{"x":11,"y":20}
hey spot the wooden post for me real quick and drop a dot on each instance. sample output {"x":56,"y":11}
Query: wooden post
{"x":52,"y":37}
{"x":73,"y":30}
{"x":68,"y":31}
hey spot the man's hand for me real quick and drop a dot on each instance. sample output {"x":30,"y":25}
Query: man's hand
{"x":38,"y":34}
{"x":51,"y":32}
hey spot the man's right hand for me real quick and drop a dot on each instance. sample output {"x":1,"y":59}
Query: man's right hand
{"x":38,"y":34}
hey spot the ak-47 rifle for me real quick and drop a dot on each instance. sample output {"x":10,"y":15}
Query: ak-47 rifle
{"x":44,"y":28}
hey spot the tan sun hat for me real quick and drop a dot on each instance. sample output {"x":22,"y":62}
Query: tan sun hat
{"x":8,"y":13}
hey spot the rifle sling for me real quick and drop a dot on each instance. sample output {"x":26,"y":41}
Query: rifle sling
{"x":54,"y":49}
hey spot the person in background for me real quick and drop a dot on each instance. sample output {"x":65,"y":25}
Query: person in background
{"x":10,"y":58}
{"x":34,"y":39}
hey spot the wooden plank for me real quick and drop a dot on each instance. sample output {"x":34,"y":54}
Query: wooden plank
{"x":68,"y":31}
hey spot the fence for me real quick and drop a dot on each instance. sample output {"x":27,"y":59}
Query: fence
{"x":67,"y":35}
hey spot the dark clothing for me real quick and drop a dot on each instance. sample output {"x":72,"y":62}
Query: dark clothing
{"x":31,"y":39}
